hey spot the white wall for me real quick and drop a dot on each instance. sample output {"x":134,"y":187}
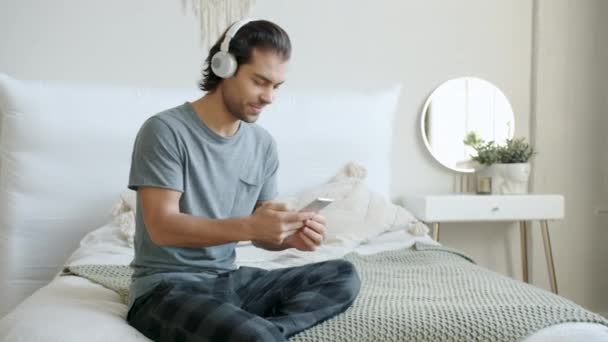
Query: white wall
{"x":147,"y":42}
{"x":341,"y":43}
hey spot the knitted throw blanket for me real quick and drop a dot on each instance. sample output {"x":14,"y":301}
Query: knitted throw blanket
{"x":423,"y":293}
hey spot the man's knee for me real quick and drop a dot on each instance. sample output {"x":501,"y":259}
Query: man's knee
{"x":348,"y":280}
{"x":345,"y":268}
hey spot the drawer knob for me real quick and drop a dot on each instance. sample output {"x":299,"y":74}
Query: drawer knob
{"x":495,"y":208}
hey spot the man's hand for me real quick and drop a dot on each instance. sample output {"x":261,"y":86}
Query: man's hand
{"x":273,"y":223}
{"x":309,"y":237}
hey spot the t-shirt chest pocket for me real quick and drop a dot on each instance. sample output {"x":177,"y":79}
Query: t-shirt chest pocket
{"x":248,"y":187}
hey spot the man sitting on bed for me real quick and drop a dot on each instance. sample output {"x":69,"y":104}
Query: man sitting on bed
{"x":205,"y":175}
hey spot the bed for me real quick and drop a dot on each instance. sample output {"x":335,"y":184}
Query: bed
{"x":64,"y":158}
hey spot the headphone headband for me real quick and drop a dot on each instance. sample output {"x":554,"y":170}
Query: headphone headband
{"x":231,"y":32}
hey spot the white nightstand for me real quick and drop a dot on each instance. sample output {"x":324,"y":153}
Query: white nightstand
{"x":435,"y":209}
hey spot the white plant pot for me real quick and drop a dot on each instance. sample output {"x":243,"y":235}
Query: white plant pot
{"x":507,"y":178}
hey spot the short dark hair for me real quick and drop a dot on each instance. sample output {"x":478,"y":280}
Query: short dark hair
{"x":258,"y":34}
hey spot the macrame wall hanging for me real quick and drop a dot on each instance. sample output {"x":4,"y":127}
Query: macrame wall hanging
{"x":216,"y":15}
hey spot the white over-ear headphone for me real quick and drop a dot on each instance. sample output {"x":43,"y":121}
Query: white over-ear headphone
{"x":223,"y":63}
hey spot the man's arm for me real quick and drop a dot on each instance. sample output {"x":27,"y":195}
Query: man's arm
{"x":167,"y":226}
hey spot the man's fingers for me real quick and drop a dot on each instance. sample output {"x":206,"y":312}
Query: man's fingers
{"x":319,"y":218}
{"x":297,"y":216}
{"x":312,"y":235}
{"x":310,"y":243}
{"x":316,"y":227}
{"x":294,"y":225}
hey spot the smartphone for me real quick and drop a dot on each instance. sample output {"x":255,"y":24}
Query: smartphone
{"x":318,"y":204}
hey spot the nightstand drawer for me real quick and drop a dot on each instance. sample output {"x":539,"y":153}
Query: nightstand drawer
{"x":453,"y":208}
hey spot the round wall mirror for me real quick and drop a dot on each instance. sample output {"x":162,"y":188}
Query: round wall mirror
{"x":461,"y":106}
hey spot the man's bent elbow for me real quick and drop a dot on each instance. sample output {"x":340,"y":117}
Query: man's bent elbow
{"x":156,"y":231}
{"x":157,"y":236}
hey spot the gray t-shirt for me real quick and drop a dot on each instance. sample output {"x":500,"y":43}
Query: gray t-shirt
{"x":218,"y":177}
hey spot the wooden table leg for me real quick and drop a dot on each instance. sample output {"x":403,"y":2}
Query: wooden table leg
{"x":523,"y":231}
{"x":549,"y":255}
{"x":436,"y":231}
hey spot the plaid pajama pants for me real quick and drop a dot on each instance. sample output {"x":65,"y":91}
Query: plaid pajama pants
{"x":248,"y":304}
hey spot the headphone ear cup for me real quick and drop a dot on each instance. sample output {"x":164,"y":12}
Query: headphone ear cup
{"x":223,"y":64}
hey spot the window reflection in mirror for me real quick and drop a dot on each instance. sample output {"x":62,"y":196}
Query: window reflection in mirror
{"x":461,"y":106}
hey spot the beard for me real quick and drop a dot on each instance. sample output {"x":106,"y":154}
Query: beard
{"x":239,"y":111}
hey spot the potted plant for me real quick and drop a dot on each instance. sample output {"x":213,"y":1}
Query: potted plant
{"x":507,"y":166}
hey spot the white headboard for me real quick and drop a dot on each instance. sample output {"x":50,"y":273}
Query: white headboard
{"x":65,"y":153}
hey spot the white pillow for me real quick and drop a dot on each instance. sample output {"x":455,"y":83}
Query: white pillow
{"x":123,"y":214}
{"x":356,"y":215}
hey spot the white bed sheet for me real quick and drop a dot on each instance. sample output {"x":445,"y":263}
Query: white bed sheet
{"x":75,"y":309}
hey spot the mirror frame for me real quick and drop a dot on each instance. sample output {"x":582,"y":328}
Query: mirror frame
{"x":423,"y":119}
